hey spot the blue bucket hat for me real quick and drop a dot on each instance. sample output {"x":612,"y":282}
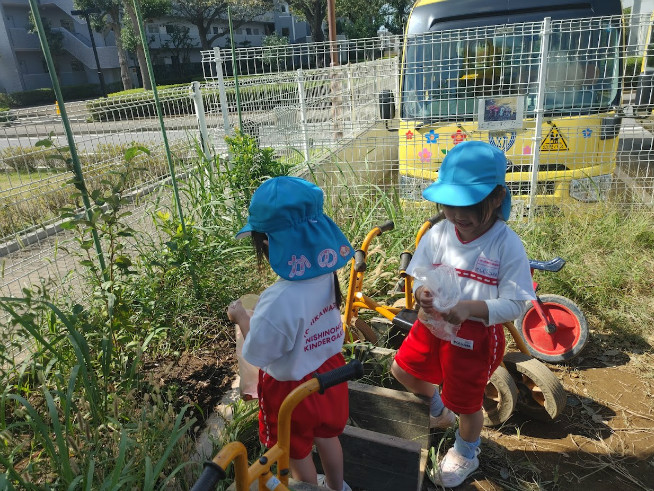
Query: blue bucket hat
{"x":468,"y":174}
{"x":303,"y":242}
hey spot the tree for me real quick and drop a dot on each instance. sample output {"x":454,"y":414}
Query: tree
{"x":180,"y":46}
{"x":150,"y":9}
{"x":109,"y":18}
{"x":273,"y":53}
{"x":397,"y":13}
{"x":203,"y":14}
{"x":313,"y":12}
{"x":360,"y":18}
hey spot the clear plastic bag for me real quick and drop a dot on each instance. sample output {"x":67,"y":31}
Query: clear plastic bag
{"x":443,"y":282}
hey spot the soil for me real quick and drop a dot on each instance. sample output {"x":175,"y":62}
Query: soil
{"x":604,"y":440}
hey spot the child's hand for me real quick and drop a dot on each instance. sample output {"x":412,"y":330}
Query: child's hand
{"x":458,"y":314}
{"x":425,"y":299}
{"x":236,"y":312}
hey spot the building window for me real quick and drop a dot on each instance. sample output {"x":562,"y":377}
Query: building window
{"x":76,"y":66}
{"x":170,"y":29}
{"x":217,"y":30}
{"x":286,"y":32}
{"x":67,"y":24}
{"x":153,"y":29}
{"x":283,"y":8}
{"x":248,"y":31}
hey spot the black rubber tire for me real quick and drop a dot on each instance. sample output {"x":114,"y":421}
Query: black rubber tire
{"x":500,"y":397}
{"x":541,"y":395}
{"x":562,"y":345}
{"x":364,"y":332}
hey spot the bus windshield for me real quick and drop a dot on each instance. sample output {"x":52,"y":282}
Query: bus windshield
{"x":445,"y":73}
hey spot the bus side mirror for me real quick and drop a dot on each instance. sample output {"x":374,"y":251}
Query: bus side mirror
{"x":386,"y":105}
{"x":644,"y":100}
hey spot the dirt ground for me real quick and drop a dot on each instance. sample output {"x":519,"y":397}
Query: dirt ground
{"x":603,"y":441}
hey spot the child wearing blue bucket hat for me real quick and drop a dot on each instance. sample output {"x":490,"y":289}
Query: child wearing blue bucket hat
{"x":296,"y":329}
{"x":495,"y":281}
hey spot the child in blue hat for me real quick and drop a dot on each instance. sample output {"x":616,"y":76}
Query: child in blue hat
{"x":296,"y":329}
{"x":495,"y":280}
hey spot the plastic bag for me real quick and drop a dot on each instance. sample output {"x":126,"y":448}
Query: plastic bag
{"x":443,"y":282}
{"x":248,"y":373}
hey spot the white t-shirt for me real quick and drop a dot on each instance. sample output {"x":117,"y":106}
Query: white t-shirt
{"x":493,"y":267}
{"x":295,"y":327}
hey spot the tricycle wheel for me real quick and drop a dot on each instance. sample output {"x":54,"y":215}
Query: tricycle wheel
{"x":364,"y":332}
{"x":541,"y":394}
{"x":500,"y":397}
{"x":566,"y":342}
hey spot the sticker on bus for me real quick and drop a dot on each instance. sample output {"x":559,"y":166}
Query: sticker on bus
{"x":554,"y":141}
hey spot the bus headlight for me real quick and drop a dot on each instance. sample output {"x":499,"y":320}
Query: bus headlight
{"x":589,"y":189}
{"x":411,"y":188}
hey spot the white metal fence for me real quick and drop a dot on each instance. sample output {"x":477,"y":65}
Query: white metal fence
{"x":318,"y":106}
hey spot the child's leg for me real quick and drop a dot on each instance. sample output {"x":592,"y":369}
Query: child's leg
{"x":304,"y":469}
{"x":413,"y":384}
{"x":467,"y":438}
{"x":424,"y":390}
{"x":331,"y":456}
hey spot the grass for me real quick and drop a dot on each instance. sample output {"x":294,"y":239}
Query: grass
{"x":93,"y":418}
{"x":34,"y":195}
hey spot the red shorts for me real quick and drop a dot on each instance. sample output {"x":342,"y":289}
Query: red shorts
{"x":463,"y":366}
{"x":318,"y":415}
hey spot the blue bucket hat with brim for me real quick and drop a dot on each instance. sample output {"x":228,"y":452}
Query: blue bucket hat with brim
{"x":303,"y":242}
{"x":468,"y":174}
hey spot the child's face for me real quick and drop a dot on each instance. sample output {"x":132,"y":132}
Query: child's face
{"x":467,"y":222}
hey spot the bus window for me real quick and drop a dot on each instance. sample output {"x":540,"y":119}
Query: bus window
{"x":444,"y":74}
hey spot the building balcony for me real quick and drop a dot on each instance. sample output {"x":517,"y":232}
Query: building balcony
{"x":21,"y":39}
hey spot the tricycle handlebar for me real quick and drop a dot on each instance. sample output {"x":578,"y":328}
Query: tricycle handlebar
{"x":352,"y":370}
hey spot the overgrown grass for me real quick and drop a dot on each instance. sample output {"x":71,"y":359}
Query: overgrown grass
{"x":78,"y":409}
{"x":34,"y":193}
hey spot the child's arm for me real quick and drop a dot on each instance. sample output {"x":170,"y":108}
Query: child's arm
{"x":465,"y":309}
{"x":460,"y":312}
{"x":239,"y":315}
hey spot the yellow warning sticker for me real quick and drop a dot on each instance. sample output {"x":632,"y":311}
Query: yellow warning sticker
{"x":554,"y":141}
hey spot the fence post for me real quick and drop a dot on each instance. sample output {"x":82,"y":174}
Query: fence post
{"x":350,"y":89}
{"x":79,"y":182}
{"x":303,"y":113}
{"x":535,"y":162}
{"x":198,"y":102}
{"x":224,"y":108}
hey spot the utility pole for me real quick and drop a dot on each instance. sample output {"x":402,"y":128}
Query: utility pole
{"x":331,"y":21}
{"x":85,"y":13}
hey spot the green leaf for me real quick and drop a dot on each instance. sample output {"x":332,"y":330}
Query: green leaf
{"x":123,"y":261}
{"x":68,"y":225}
{"x":132,"y":152}
{"x":47,"y":142}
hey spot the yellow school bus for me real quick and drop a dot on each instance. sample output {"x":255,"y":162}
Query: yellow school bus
{"x":538,"y":79}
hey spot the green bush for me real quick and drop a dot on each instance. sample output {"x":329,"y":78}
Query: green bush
{"x":139,"y":103}
{"x":36,"y":97}
{"x":25,"y":159}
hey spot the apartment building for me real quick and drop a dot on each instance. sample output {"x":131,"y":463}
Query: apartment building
{"x":23,"y":64}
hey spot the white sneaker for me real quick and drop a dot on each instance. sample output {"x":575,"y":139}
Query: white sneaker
{"x":444,"y":420}
{"x":455,"y":468}
{"x":322,"y":481}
